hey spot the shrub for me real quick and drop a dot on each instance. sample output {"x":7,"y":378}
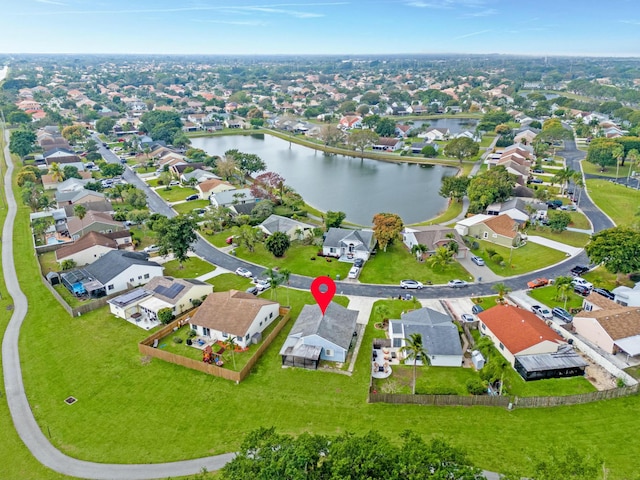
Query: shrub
{"x":177,"y":340}
{"x":490,"y":251}
{"x":497,"y":258}
{"x":192,"y":333}
{"x":475,"y":245}
{"x":165,"y":315}
{"x":475,"y":386}
{"x":196,"y":302}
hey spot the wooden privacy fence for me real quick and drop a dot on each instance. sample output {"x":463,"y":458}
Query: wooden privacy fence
{"x":146,"y":348}
{"x":529,"y":402}
{"x":452,"y":400}
{"x":496,"y":401}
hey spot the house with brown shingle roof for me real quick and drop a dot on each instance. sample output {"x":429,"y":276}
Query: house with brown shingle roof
{"x":434,"y":236}
{"x":501,"y":230}
{"x":88,"y":248}
{"x":233,"y":313}
{"x":215,"y":185}
{"x":613,"y":328}
{"x":93,"y":222}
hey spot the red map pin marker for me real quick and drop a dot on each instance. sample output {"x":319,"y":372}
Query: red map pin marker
{"x":323,"y":297}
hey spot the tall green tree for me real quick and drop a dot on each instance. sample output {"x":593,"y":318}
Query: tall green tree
{"x":80,"y":211}
{"x":414,"y":349}
{"x":618,"y":249}
{"x":361,"y":139}
{"x":22,"y":142}
{"x":494,"y":185}
{"x":386,"y":228}
{"x":247,"y":236}
{"x":386,"y":127}
{"x":105,"y":125}
{"x":461,"y":148}
{"x":454,"y":187}
{"x":175,"y":235}
{"x":333,"y":219}
{"x":277,"y":243}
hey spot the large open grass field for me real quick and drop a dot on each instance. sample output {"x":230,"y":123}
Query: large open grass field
{"x":619,"y":202}
{"x":130,"y":409}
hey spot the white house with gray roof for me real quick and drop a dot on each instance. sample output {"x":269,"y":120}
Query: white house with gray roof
{"x":232,"y":197}
{"x":316,"y":337}
{"x":440,"y":336}
{"x":347,"y":245}
{"x":294,"y":229}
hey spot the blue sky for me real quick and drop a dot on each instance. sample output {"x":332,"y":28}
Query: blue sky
{"x":537,"y":27}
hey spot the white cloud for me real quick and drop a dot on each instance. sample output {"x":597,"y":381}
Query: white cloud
{"x":472,"y":34}
{"x":482,"y":13}
{"x":631,"y":22}
{"x":52,"y":2}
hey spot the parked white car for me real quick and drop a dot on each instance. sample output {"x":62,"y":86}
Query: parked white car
{"x":354,"y":272}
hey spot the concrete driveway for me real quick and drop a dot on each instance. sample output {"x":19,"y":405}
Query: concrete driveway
{"x":563,"y":247}
{"x":480,"y":274}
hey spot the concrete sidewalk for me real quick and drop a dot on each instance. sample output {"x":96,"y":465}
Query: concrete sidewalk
{"x":568,"y":249}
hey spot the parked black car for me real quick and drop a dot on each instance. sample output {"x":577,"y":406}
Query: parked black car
{"x":579,"y":270}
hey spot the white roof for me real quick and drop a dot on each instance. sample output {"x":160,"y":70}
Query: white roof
{"x":154,"y":304}
{"x":481,"y":217}
{"x":631,"y":345}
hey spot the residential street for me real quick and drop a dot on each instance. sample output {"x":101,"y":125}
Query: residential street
{"x":24,"y":421}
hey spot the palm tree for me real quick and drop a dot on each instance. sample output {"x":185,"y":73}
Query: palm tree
{"x":57,"y":175}
{"x":563,"y":176}
{"x":275,"y":280}
{"x":440,"y":258}
{"x":383,"y":312}
{"x":80,"y":211}
{"x":501,"y":289}
{"x":285,"y":274}
{"x":633,"y":156}
{"x":563,"y":287}
{"x":230,"y":344}
{"x":618,"y":153}
{"x":418,"y":250}
{"x":415,"y":350}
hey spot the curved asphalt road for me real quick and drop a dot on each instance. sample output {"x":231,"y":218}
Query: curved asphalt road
{"x":21,"y":413}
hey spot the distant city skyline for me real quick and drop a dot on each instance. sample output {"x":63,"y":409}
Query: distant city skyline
{"x":246,"y":27}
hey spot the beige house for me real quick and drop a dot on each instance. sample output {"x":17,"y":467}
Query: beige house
{"x":209,"y":187}
{"x":294,"y":229}
{"x":501,"y":229}
{"x":608,"y":325}
{"x":143,"y":304}
{"x":434,"y":236}
{"x":233,"y":313}
{"x":93,"y":222}
{"x":93,"y":245}
{"x":515,"y":331}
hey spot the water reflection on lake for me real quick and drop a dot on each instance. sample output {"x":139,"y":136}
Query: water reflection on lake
{"x":358,"y":187}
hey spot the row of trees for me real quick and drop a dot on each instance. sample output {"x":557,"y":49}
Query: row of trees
{"x":269,"y":455}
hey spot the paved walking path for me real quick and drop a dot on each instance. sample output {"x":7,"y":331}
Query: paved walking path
{"x":21,"y":414}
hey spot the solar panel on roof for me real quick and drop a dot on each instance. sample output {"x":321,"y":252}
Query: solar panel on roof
{"x":169,"y":292}
{"x":131,"y":296}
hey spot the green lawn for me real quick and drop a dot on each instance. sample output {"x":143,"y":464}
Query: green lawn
{"x":229,"y":281}
{"x":48,"y":262}
{"x":524,"y":259}
{"x":188,"y":207}
{"x":547,"y":295}
{"x":617,"y":201}
{"x":397,"y":263}
{"x":218,"y":239}
{"x":579,"y":220}
{"x":175,"y":194}
{"x":575,"y":239}
{"x":192,"y":268}
{"x":297,"y":259}
{"x":453,"y":210}
{"x":486,"y":140}
{"x":593,"y":169}
{"x":602,"y":278}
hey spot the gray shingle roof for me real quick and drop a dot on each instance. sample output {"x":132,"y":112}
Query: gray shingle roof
{"x":336,"y":325}
{"x":277,"y":223}
{"x":338,"y":237}
{"x":115,"y":262}
{"x":439,"y":334}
